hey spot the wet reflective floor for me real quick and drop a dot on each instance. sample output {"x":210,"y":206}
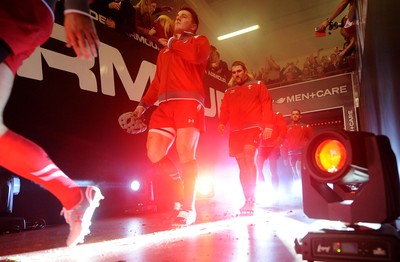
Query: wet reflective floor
{"x":220,"y":234}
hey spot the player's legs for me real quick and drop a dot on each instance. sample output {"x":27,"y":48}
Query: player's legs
{"x":243,"y":177}
{"x":264,"y":153}
{"x":243,"y":146}
{"x":298,"y":167}
{"x":248,"y":177}
{"x":160,"y":138}
{"x":273,"y":166}
{"x":26,"y":159}
{"x":162,"y":131}
{"x":292,"y":164}
{"x":159,"y":141}
{"x":186,"y":145}
{"x":249,"y":157}
{"x":6,"y":82}
{"x":167,"y":169}
{"x":179,"y":121}
{"x":158,"y":144}
{"x":25,"y":26}
{"x":19,"y":155}
{"x":260,"y":166}
{"x":189,"y":120}
{"x":295,"y":164}
{"x":247,"y":171}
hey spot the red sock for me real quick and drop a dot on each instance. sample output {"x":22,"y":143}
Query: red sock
{"x":28,"y":160}
{"x":166,"y":167}
{"x":189,"y":175}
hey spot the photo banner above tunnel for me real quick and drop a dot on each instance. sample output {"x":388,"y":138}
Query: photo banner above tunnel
{"x":318,"y":95}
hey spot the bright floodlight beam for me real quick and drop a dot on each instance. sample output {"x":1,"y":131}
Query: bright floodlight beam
{"x":239,"y":32}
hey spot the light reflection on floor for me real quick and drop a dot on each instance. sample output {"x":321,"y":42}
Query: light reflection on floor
{"x":244,"y":235}
{"x":219,"y":235}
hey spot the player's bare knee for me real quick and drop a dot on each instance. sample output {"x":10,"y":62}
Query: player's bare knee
{"x":154,"y":156}
{"x":186,"y":154}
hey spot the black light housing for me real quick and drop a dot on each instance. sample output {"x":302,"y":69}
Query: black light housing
{"x":350,"y":177}
{"x":9,"y":187}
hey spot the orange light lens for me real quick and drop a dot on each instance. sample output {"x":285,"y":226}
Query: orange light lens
{"x":330,"y":156}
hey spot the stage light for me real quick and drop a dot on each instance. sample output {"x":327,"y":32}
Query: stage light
{"x":140,"y":195}
{"x":135,"y":185}
{"x":205,"y":187}
{"x":330,"y":156}
{"x":350,"y":177}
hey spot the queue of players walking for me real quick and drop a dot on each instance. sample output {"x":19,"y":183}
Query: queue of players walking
{"x":179,"y":118}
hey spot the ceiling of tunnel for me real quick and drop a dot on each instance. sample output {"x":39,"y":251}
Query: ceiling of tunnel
{"x":286,"y":28}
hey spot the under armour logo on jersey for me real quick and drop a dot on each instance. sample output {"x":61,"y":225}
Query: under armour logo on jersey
{"x":249,"y":87}
{"x":190,"y":120}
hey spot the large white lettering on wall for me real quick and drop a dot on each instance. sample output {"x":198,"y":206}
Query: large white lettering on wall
{"x":110,"y":59}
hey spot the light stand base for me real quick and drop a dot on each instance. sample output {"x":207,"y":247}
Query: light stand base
{"x":382,"y":244}
{"x":12,"y":224}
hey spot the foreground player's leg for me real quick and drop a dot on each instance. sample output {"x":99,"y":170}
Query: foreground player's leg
{"x":80,"y":216}
{"x":26,"y":159}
